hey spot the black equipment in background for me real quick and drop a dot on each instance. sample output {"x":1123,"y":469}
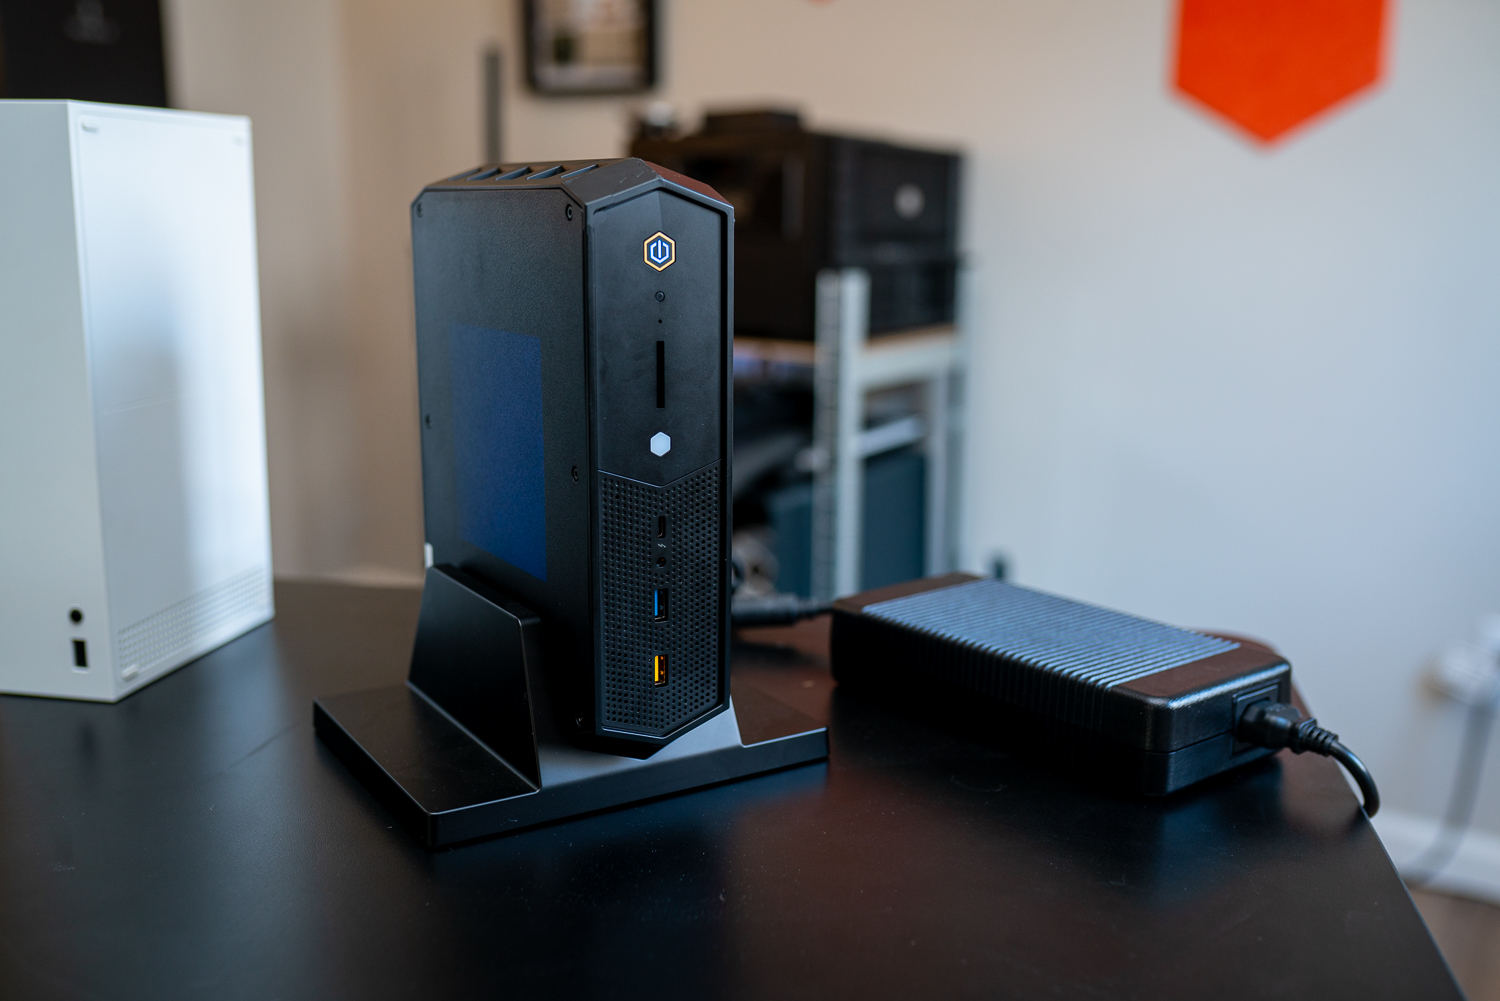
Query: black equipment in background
{"x":805,"y":201}
{"x":83,"y":50}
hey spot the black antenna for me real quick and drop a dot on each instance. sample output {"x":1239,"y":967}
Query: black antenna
{"x":492,"y":133}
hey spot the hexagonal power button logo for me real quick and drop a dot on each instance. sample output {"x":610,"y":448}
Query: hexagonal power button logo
{"x":661,"y":443}
{"x":660,"y":251}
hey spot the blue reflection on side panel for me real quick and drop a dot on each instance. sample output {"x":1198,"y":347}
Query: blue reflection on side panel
{"x":496,"y":377}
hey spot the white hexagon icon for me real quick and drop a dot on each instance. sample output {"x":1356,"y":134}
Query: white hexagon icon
{"x":661,"y":443}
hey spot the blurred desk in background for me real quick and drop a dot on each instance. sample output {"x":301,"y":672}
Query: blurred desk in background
{"x":196,"y":840}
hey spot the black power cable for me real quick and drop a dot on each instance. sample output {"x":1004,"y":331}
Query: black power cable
{"x":774,"y":610}
{"x":770,"y":609}
{"x":1278,"y":724}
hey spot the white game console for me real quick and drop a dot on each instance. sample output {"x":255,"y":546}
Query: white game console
{"x":134,"y":523}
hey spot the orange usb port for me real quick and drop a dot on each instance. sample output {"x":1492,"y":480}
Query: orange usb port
{"x":659,"y":670}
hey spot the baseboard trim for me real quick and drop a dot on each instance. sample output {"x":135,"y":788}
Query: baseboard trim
{"x":1475,"y":869}
{"x":364,"y":575}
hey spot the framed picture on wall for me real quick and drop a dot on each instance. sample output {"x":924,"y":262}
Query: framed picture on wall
{"x":590,"y":46}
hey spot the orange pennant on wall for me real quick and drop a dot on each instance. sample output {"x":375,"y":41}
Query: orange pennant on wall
{"x":1270,"y":65}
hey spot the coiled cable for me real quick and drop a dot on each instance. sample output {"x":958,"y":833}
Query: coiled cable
{"x":1280,"y":724}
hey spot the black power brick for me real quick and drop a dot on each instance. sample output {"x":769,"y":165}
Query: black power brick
{"x":1147,"y":707}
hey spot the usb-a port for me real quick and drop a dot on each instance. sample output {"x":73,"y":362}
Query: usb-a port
{"x":659,"y":670}
{"x":659,"y":605}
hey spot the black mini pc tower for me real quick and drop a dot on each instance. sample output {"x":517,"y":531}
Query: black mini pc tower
{"x":574,"y":356}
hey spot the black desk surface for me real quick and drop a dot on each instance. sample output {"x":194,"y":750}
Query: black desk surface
{"x":196,"y":841}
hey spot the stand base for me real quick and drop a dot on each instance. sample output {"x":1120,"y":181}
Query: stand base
{"x":445,"y":786}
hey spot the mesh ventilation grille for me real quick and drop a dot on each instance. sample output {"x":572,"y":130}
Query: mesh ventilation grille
{"x":690,"y":637}
{"x":182,"y":628}
{"x":1088,"y":644}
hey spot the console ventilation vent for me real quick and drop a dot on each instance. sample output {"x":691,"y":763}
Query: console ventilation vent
{"x":195,"y":624}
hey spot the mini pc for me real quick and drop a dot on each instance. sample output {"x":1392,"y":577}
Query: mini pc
{"x":574,"y":355}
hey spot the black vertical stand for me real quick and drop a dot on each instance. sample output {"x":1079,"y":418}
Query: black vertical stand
{"x":468,"y":747}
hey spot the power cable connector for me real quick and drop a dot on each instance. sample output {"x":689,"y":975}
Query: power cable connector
{"x":1280,"y":724}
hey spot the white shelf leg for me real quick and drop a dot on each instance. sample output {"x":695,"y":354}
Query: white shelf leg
{"x":937,"y":449}
{"x":842,"y":316}
{"x":849,"y":507}
{"x":825,"y":430}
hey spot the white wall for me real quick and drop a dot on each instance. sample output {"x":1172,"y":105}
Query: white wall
{"x":280,"y":62}
{"x":354,"y":106}
{"x":1219,"y":384}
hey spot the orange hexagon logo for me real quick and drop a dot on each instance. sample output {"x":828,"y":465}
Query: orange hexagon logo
{"x":1270,"y":65}
{"x":660,"y":251}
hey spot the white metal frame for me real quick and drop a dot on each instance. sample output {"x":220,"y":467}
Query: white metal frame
{"x":848,"y":366}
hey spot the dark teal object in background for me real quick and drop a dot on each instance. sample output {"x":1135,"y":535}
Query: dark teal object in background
{"x":893,"y":540}
{"x":893,"y":544}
